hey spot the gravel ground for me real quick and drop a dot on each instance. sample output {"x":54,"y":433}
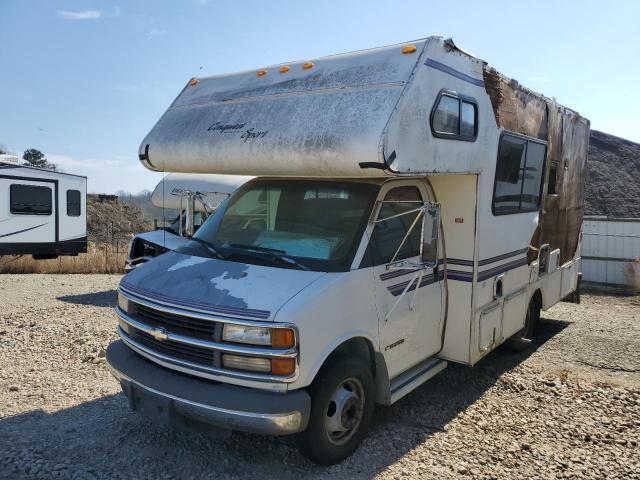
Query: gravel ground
{"x":567,"y":408}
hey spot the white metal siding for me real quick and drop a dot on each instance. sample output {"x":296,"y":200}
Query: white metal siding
{"x":608,"y":246}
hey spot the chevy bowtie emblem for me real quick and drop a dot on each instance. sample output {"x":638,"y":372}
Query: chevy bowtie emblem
{"x":159,"y":334}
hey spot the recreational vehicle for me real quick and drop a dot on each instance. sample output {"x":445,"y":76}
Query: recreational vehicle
{"x":194,"y":197}
{"x":412,"y":207}
{"x":42,"y":212}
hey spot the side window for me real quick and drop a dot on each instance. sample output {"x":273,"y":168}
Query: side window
{"x":552,"y":188}
{"x":387,"y":235}
{"x":30,"y":200}
{"x":73,"y":203}
{"x":518,"y":181}
{"x":454,"y":116}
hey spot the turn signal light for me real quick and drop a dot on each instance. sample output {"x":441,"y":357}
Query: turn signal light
{"x":261,"y":73}
{"x":307,"y":65}
{"x":283,"y":366}
{"x":409,"y":49}
{"x":282,"y":338}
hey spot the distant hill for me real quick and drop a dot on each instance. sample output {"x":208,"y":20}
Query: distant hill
{"x":142,"y":200}
{"x":112,"y":221}
{"x":613,"y":176}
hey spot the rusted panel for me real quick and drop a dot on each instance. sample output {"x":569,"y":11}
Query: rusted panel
{"x":523,"y":111}
{"x":516,"y":108}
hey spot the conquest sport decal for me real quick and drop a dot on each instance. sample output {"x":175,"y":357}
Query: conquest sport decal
{"x":238,"y":128}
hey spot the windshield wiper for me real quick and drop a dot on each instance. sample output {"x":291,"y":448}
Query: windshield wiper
{"x":271,"y":253}
{"x":209,"y":247}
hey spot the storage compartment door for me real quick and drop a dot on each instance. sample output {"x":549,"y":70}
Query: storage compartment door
{"x":514,"y":312}
{"x":490,"y":327}
{"x":569,"y":278}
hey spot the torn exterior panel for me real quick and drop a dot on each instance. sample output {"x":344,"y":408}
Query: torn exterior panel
{"x":516,"y":108}
{"x":523,"y":111}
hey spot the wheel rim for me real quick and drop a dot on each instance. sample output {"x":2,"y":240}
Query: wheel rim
{"x":344,"y":411}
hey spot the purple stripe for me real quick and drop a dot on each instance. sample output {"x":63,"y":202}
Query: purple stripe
{"x":460,"y":261}
{"x":501,"y":269}
{"x":487,"y":261}
{"x":453,"y":72}
{"x":245,"y":312}
{"x":397,"y":273}
{"x":397,"y":289}
{"x":459,"y":275}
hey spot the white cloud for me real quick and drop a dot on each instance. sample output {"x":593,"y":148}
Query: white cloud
{"x":84,"y":15}
{"x":155,"y":32}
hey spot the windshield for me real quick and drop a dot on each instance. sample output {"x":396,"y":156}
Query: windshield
{"x":311,"y":225}
{"x":198,"y":220}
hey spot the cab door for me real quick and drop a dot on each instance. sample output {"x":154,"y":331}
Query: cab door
{"x":409,"y":296}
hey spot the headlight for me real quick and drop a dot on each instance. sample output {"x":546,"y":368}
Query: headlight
{"x":244,"y":334}
{"x":270,"y":337}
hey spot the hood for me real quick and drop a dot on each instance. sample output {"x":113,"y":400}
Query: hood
{"x":163,"y":238}
{"x":219,"y":287}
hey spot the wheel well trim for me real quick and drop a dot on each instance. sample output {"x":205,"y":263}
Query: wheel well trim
{"x":335,"y":345}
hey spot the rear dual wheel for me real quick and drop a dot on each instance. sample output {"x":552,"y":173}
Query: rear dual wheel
{"x":522,"y":340}
{"x":342,"y":404}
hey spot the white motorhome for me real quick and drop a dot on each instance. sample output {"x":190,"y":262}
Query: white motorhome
{"x":413,"y":207}
{"x":194,"y":197}
{"x":42,"y":212}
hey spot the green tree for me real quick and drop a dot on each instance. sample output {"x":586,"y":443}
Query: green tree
{"x":36,"y":159}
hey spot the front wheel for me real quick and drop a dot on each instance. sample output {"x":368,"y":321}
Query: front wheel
{"x":342,"y":404}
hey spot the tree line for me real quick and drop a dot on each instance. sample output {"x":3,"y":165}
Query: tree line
{"x":34,"y":158}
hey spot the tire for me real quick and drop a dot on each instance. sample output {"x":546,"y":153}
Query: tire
{"x":349,"y":383}
{"x":522,"y":340}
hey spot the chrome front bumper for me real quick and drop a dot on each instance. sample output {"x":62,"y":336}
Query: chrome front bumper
{"x":175,"y":396}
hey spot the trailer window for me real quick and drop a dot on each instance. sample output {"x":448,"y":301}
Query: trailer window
{"x":518,"y":180}
{"x":454,"y":117}
{"x":73,"y":203}
{"x":388,"y":235}
{"x":30,"y":200}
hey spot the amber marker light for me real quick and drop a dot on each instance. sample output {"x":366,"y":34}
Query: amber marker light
{"x":307,"y":65}
{"x":261,"y":73}
{"x":282,"y":338}
{"x":283,"y":366}
{"x":409,"y":49}
{"x":193,"y":82}
{"x":284,"y":69}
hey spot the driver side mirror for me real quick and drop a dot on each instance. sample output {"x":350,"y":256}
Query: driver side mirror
{"x":430,"y":235}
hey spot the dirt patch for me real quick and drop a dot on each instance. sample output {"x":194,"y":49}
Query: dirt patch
{"x":567,"y":408}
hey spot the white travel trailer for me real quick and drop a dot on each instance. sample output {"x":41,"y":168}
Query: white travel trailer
{"x":413,"y":207}
{"x":42,"y":212}
{"x":195,"y":197}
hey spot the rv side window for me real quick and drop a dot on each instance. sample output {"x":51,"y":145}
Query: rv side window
{"x":388,"y":235}
{"x":454,"y":116}
{"x":518,"y":181}
{"x":30,"y":200}
{"x":73,"y":203}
